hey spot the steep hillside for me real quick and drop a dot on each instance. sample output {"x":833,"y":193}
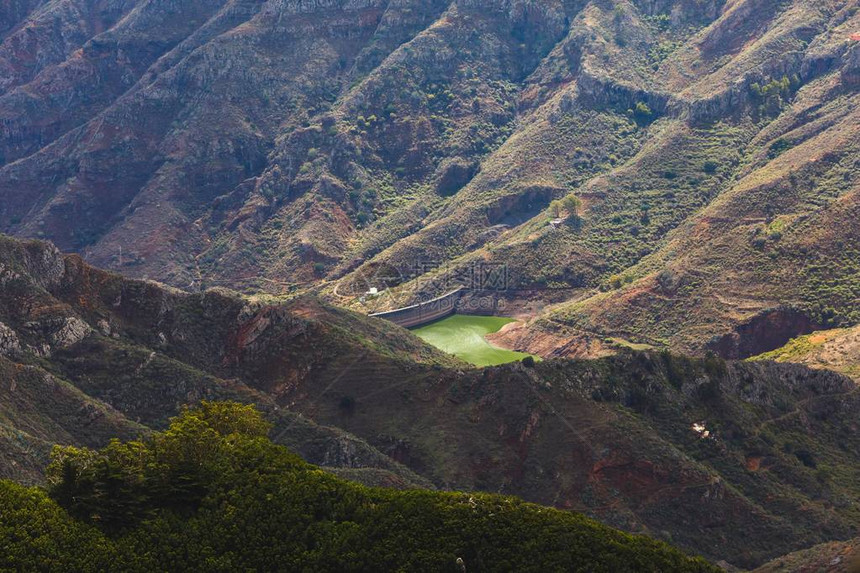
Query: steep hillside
{"x":213,"y":493}
{"x":38,"y":410}
{"x":286,"y":145}
{"x":737,"y":462}
{"x":86,"y":356}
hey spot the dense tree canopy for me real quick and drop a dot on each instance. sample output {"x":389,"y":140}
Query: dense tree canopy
{"x":214,"y":493}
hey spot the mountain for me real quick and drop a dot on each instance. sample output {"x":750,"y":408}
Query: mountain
{"x":338,"y":145}
{"x":737,"y":462}
{"x":87,"y":356}
{"x":740,"y":462}
{"x":212,"y":492}
{"x":667,"y":188}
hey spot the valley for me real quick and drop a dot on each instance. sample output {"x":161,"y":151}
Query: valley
{"x":710,"y":146}
{"x":430,"y":285}
{"x":88,"y":355}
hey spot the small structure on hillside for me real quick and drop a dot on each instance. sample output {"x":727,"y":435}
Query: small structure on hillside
{"x":856,"y":37}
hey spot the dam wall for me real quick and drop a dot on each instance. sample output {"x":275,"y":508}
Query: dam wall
{"x":424,"y":313}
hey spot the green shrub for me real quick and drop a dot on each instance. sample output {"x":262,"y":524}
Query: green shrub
{"x":642,"y":113}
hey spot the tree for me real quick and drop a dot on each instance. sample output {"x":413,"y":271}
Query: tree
{"x":125,"y":482}
{"x":571,"y":204}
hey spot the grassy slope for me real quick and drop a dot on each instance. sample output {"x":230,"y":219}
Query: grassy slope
{"x":836,"y":557}
{"x":836,"y":349}
{"x":773,"y":237}
{"x":777,"y":237}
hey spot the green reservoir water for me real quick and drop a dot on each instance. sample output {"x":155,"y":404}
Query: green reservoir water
{"x":463,"y":336}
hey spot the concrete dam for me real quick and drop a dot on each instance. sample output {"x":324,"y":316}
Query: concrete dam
{"x":425,"y":312}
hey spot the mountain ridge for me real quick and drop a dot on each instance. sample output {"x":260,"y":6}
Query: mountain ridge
{"x":663,"y":193}
{"x":384,"y":136}
{"x":620,"y":439}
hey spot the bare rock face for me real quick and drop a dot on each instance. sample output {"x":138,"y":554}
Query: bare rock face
{"x":7,"y":274}
{"x":72,"y":331}
{"x":767,"y":331}
{"x":45,"y":264}
{"x":48,"y":335}
{"x":9,"y":343}
{"x":851,"y":71}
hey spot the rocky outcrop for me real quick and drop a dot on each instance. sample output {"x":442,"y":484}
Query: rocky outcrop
{"x":767,"y":331}
{"x":38,"y":262}
{"x":527,"y":202}
{"x":71,"y":331}
{"x":9,"y":343}
{"x":851,"y":67}
{"x":454,"y":174}
{"x":609,"y":92}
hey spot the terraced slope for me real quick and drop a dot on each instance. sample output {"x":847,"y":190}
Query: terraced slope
{"x":280,"y":145}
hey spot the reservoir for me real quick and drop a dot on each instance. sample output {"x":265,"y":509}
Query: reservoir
{"x":463,"y":336}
